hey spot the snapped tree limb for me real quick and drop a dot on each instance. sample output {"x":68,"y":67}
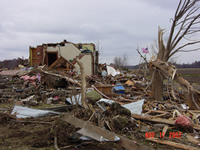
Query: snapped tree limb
{"x":193,"y":96}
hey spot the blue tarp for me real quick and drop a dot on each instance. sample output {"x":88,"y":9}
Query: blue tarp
{"x":119,"y":89}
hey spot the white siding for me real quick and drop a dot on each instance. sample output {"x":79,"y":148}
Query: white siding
{"x":87,"y":63}
{"x":52,"y":49}
{"x":70,"y":51}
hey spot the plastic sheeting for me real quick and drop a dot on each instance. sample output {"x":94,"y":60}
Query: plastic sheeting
{"x":112,"y":71}
{"x":75,"y":100}
{"x":119,"y":89}
{"x":135,"y":107}
{"x":25,"y":112}
{"x":90,"y":133}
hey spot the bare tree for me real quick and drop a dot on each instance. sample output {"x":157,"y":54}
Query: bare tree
{"x":154,"y":51}
{"x":125,"y":60}
{"x":117,"y":62}
{"x":121,"y":62}
{"x":185,"y":25}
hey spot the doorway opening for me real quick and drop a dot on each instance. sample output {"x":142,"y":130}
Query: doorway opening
{"x":52,"y":57}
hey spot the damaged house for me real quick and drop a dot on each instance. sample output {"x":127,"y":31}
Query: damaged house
{"x":64,"y":55}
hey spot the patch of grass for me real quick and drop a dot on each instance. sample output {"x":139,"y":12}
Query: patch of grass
{"x":47,"y":106}
{"x":190,"y":75}
{"x":7,"y":105}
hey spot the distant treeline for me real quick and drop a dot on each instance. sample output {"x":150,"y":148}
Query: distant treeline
{"x":13,"y":63}
{"x":195,"y":64}
{"x":132,"y":67}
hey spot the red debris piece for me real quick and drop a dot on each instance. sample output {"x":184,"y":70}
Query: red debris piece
{"x":184,"y":121}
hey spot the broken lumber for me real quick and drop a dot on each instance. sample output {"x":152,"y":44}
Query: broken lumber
{"x":61,"y":61}
{"x":100,"y":92}
{"x":124,"y":142}
{"x":192,"y":139}
{"x":160,"y":120}
{"x":170,"y":143}
{"x":61,"y":76}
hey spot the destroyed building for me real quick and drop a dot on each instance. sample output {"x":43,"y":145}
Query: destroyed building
{"x":65,"y":54}
{"x":119,"y":114}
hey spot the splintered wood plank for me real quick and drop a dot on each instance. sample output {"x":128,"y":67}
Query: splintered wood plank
{"x":192,"y":139}
{"x":160,"y":120}
{"x":124,"y":142}
{"x":170,"y":143}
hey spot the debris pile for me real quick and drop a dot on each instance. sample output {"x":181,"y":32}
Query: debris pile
{"x":119,"y":112}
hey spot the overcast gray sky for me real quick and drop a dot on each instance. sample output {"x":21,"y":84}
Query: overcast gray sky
{"x":119,"y":26}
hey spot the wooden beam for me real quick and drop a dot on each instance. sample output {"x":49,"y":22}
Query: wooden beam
{"x":173,"y":144}
{"x":124,"y":142}
{"x":61,"y":76}
{"x":160,"y":120}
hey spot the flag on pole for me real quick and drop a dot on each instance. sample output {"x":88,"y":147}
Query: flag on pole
{"x":145,"y":50}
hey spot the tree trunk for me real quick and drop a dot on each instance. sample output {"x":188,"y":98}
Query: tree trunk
{"x":192,"y":95}
{"x":157,"y":86}
{"x":157,"y":83}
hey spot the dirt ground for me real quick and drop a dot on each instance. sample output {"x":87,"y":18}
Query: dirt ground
{"x":31,"y":134}
{"x":40,"y":133}
{"x":34,"y":134}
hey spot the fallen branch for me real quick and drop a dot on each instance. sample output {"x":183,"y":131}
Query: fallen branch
{"x":192,"y":139}
{"x":170,"y":143}
{"x":160,"y":120}
{"x":55,"y":141}
{"x":61,"y":76}
{"x":170,"y":71}
{"x":100,"y":92}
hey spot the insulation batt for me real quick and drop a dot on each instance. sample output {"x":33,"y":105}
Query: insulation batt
{"x":184,"y":121}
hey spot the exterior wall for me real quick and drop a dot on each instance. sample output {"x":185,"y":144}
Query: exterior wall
{"x":69,"y":51}
{"x":36,"y":55}
{"x":52,"y":48}
{"x":87,"y":63}
{"x":30,"y":56}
